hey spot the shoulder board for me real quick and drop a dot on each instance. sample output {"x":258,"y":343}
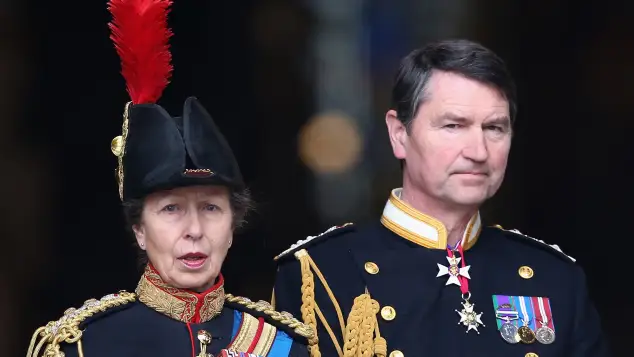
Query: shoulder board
{"x":283,"y":320}
{"x":552,"y":247}
{"x":67,"y":328}
{"x":304,"y":243}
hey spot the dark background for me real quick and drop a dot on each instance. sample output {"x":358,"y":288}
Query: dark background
{"x":62,"y":98}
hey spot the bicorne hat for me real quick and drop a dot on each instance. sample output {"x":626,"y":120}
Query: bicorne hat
{"x":155,"y":150}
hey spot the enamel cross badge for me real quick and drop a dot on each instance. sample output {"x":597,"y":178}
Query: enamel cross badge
{"x":470,"y":318}
{"x":453,"y":270}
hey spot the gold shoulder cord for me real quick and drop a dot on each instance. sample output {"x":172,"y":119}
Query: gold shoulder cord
{"x":362,"y":323}
{"x":283,"y":317}
{"x":67,"y":329}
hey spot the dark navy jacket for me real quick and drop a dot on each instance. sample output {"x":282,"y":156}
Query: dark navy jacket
{"x":418,"y":316}
{"x":159,"y":321}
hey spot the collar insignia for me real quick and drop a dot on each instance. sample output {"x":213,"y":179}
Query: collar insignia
{"x":179,"y":304}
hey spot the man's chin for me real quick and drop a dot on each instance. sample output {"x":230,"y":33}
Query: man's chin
{"x":470,"y":198}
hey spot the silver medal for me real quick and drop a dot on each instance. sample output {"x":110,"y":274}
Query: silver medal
{"x":509,"y":332}
{"x":545,"y":335}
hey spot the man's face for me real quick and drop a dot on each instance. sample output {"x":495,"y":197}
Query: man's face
{"x":458,"y":144}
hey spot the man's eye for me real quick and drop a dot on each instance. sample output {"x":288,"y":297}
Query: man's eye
{"x":497,"y":128}
{"x":452,"y":126}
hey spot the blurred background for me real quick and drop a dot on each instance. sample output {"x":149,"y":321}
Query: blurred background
{"x":300,"y":89}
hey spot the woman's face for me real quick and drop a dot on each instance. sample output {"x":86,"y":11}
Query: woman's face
{"x":186,"y":233}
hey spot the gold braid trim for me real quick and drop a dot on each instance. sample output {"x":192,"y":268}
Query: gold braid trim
{"x":283,"y":317}
{"x":308,"y":299}
{"x":362,"y":324}
{"x":67,"y":329}
{"x":310,"y":306}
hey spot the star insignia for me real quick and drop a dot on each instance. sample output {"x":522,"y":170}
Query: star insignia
{"x":470,"y":318}
{"x":453,"y":271}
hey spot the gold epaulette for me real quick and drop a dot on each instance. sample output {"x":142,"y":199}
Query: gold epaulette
{"x":282,"y":317}
{"x":67,"y":329}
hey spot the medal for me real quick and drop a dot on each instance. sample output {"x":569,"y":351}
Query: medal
{"x":468,"y":317}
{"x":453,"y":270}
{"x":526,"y":335}
{"x":506,"y":315}
{"x":509,"y":333}
{"x":544,"y":334}
{"x":459,"y":276}
{"x":525,"y":332}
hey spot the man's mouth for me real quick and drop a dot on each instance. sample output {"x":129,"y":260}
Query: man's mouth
{"x":475,"y":173}
{"x":193,"y":260}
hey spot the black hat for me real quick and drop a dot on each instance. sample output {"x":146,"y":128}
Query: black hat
{"x":157,"y":151}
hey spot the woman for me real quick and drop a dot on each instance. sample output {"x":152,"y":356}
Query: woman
{"x":183,"y":196}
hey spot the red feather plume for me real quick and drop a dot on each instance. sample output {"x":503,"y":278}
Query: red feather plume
{"x":140,"y":35}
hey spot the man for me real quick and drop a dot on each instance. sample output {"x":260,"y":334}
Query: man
{"x":430,"y":279}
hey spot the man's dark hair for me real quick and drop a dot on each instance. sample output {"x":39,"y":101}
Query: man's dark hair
{"x":240,"y":201}
{"x":463,"y":57}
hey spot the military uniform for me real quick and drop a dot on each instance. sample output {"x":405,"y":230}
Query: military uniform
{"x":404,"y":293}
{"x":156,"y":152}
{"x":158,"y":320}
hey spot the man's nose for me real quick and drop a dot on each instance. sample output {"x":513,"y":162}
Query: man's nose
{"x":476,"y":150}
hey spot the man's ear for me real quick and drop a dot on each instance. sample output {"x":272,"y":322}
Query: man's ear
{"x":398,"y":134}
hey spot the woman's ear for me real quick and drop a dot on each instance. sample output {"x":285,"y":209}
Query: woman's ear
{"x":139,"y":234}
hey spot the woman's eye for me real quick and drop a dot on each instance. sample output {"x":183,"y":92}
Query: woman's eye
{"x":211,"y":208}
{"x":170,"y":208}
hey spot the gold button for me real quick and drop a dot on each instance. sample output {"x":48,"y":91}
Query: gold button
{"x":531,"y":354}
{"x":371,"y":268}
{"x":396,"y":353}
{"x":526,"y":272}
{"x":116,"y":145}
{"x":388,"y":313}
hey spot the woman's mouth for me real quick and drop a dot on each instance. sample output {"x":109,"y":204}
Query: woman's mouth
{"x":193,"y":260}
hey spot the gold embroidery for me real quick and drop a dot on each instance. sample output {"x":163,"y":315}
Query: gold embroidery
{"x":283,"y":317}
{"x":118,"y":148}
{"x":213,"y":304}
{"x":176,"y":303}
{"x":67,"y":329}
{"x":265,"y":342}
{"x":201,"y":172}
{"x":246,"y":334}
